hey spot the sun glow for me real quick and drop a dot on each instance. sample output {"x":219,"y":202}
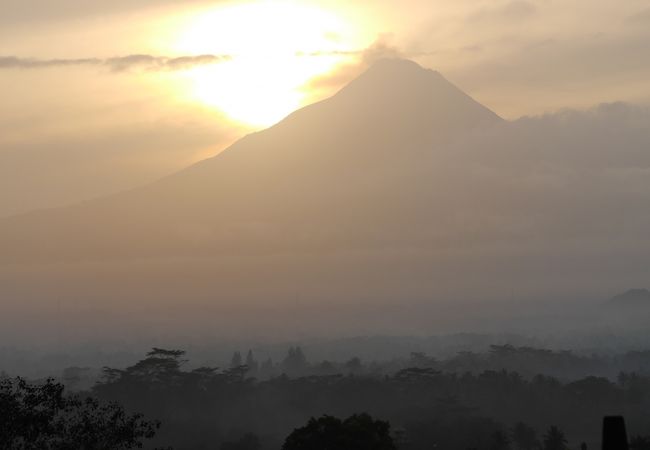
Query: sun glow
{"x":274,"y":49}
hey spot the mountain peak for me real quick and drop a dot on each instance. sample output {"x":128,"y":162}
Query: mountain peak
{"x":399,"y":89}
{"x":393,"y":66}
{"x":389,"y":74}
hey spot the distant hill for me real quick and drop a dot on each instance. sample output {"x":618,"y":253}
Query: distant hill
{"x":632,"y":298}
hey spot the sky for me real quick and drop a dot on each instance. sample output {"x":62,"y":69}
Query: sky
{"x":99,"y":97}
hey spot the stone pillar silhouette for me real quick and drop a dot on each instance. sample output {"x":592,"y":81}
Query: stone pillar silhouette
{"x":614,"y":433}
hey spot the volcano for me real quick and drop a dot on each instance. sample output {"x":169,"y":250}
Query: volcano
{"x":384,"y":207}
{"x":358,"y":170}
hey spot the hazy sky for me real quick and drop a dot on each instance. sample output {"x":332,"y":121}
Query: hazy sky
{"x":101,"y":96}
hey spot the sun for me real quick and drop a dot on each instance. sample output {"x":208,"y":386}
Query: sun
{"x":273,"y":47}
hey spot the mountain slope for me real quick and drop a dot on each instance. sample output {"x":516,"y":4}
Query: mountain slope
{"x":358,"y":169}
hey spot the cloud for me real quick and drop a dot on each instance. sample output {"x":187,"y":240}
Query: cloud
{"x":13,"y":62}
{"x":361,"y":59}
{"x":116,"y":64}
{"x":26,"y":11}
{"x":582,"y":60}
{"x":380,"y":49}
{"x":513,"y":10}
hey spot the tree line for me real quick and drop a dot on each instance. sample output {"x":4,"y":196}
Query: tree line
{"x":422,"y":406}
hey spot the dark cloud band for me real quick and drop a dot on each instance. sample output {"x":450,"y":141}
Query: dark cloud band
{"x":117,"y":64}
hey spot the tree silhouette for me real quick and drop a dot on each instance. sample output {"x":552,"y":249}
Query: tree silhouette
{"x":41,"y":417}
{"x":358,"y":432}
{"x":554,"y":439}
{"x":354,"y":365}
{"x":433,"y":406}
{"x":236,"y":360}
{"x":266,"y":369}
{"x":420,"y":359}
{"x":295,"y":361}
{"x":160,"y":368}
{"x":500,"y":441}
{"x":524,"y":437}
{"x":251,"y":363}
{"x":249,"y":441}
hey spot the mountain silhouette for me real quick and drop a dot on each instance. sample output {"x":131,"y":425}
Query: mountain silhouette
{"x":359,"y":169}
{"x":632,"y":298}
{"x":381,"y":208}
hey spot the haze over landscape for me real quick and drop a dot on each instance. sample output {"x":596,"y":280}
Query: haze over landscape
{"x":364,"y":181}
{"x":397,"y":197}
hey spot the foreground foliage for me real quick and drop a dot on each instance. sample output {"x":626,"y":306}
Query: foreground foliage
{"x":42,"y":417}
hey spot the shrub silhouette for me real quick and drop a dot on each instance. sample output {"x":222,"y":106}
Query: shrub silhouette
{"x":358,"y":432}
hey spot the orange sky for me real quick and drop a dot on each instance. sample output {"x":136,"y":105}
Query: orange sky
{"x":78,"y":123}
